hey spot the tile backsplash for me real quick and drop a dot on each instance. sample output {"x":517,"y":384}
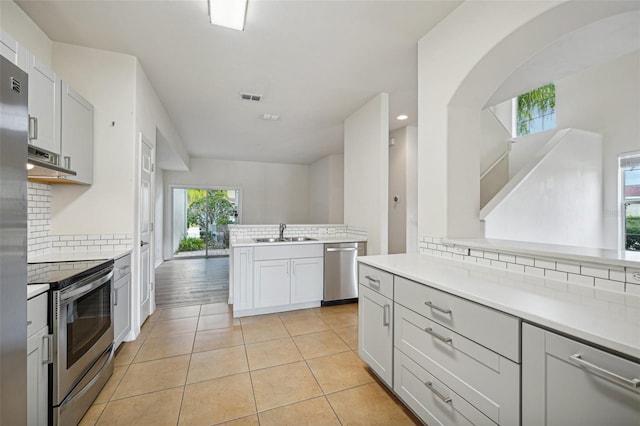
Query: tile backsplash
{"x":248,"y":232}
{"x":41,"y":241}
{"x":602,"y":276}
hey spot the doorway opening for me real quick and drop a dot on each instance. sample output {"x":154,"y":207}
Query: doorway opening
{"x":201,"y":219}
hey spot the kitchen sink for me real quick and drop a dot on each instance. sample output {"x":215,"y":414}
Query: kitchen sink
{"x":283,"y":240}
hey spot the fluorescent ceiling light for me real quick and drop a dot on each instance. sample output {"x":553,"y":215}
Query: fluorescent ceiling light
{"x":228,"y":13}
{"x":402,"y":117}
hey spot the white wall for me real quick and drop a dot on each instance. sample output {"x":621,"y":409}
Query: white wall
{"x":22,"y":28}
{"x":159,"y":219}
{"x":412,"y":189}
{"x":397,"y":189}
{"x":326,"y":190}
{"x":176,"y":224}
{"x":605,"y":99}
{"x":107,"y":80}
{"x":366,"y":171}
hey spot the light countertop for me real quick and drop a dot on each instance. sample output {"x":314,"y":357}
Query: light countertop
{"x":323,"y":239}
{"x":579,"y":254}
{"x":78,"y":256}
{"x":34,"y":290}
{"x":605,"y":318}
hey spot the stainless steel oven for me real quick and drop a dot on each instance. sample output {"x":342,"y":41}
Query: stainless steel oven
{"x":82,"y":325}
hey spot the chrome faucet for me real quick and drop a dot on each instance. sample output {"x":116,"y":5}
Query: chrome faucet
{"x":282,"y":228}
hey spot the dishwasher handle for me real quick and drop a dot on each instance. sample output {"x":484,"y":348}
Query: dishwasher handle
{"x":342,"y":249}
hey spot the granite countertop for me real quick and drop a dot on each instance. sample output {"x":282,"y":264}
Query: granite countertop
{"x":78,"y":256}
{"x":322,"y":239}
{"x":36,"y":290}
{"x":606,"y":318}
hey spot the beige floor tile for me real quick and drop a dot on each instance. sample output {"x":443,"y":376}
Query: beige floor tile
{"x":304,"y":325}
{"x":320,"y":344}
{"x":165,"y":347}
{"x":218,"y":338}
{"x":154,"y":316}
{"x":216,"y":308}
{"x":210,"y":322}
{"x":270,"y":319}
{"x":245,"y":421}
{"x":145,"y":329}
{"x":374,"y":407}
{"x":92,"y":415}
{"x":111,"y":385}
{"x":313,"y":412}
{"x":127,"y":352}
{"x":349,"y":335}
{"x":340,"y":319}
{"x":174,"y":326}
{"x":261,"y":332}
{"x":272,"y":353}
{"x":217,"y":400}
{"x":300,"y":313}
{"x":152,"y":376}
{"x":277,"y":386}
{"x":217,"y":363}
{"x":157,"y":408}
{"x":339,"y":371}
{"x":179,"y":312}
{"x":347,"y":307}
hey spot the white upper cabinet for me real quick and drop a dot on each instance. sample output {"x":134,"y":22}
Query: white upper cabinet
{"x":12,"y":50}
{"x":77,"y":135}
{"x":44,"y":105}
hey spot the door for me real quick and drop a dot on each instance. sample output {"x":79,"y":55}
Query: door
{"x":44,"y":106}
{"x":271,"y":283}
{"x":306,"y":279}
{"x":145,"y":226}
{"x":375,"y":332}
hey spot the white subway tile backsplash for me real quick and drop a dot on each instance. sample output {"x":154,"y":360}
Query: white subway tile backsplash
{"x":506,"y":258}
{"x":632,"y":289}
{"x":490,"y":255}
{"x":555,"y":275}
{"x":609,"y":285}
{"x":539,"y":272}
{"x":498,"y":264}
{"x":568,"y":267}
{"x":545,"y":264}
{"x":476,"y":253}
{"x":527,"y":261}
{"x":617,"y":275}
{"x":515,"y":267}
{"x":581,"y":279}
{"x":594,"y":272}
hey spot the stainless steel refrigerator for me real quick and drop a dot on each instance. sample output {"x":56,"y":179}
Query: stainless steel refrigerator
{"x":13,"y":244}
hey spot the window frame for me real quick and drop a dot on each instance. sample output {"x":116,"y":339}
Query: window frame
{"x":622,"y":200}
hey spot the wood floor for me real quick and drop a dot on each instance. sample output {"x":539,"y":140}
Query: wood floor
{"x":185,"y":282}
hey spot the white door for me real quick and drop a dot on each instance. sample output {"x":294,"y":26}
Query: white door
{"x":375,"y":332}
{"x":306,"y":279}
{"x":271,"y":283}
{"x":145,"y":223}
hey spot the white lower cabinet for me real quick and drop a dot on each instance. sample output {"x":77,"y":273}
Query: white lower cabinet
{"x":241,"y":275}
{"x":375,"y":332}
{"x":565,"y":382}
{"x":121,"y":299}
{"x":306,"y":279}
{"x":38,"y":351}
{"x":271,"y":283}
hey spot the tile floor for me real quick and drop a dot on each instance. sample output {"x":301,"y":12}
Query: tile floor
{"x":196,"y":365}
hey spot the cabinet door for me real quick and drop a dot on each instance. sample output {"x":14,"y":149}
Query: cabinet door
{"x":121,"y":309}
{"x":242,"y":278}
{"x":306,"y":279}
{"x":77,"y":135}
{"x":565,"y":382}
{"x":375,"y":332}
{"x":44,"y":105}
{"x":37,"y":378}
{"x":271,"y":283}
{"x":12,"y":50}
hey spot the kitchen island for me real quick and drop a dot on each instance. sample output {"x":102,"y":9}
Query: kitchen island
{"x":466,"y":343}
{"x":269,"y":277}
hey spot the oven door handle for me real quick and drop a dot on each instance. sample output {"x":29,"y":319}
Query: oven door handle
{"x":81,"y":291}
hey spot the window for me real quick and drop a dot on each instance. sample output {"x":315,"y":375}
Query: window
{"x":630,"y":180}
{"x":536,"y":110}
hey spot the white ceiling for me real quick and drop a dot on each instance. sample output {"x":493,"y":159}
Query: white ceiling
{"x":315,"y":62}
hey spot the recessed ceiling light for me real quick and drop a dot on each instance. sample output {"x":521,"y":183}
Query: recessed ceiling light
{"x":228,"y":13}
{"x":270,"y":117}
{"x":402,"y":117}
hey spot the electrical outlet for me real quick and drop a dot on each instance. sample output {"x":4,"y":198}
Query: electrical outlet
{"x":633,"y":276}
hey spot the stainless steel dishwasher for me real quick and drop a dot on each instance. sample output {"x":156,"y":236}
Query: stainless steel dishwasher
{"x":341,"y":272}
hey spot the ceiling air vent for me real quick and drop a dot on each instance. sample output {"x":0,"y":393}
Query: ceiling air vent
{"x":250,"y":97}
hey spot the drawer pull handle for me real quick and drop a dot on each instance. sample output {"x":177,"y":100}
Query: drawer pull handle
{"x":630,"y":383}
{"x":49,"y":350}
{"x":373,"y":282}
{"x":446,"y":399}
{"x":438,"y":308}
{"x":447,"y":340}
{"x":386,"y":321}
{"x":29,"y":323}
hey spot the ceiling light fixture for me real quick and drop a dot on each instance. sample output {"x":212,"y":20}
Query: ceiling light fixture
{"x":228,"y":13}
{"x":270,"y":117}
{"x":402,"y":117}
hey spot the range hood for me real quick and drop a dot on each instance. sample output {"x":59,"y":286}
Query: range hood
{"x":44,"y":166}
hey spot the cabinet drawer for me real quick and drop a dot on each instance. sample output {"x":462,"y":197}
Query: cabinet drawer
{"x":487,"y":380}
{"x":431,"y":399}
{"x":123,"y":280}
{"x":36,"y":313}
{"x":495,"y":330}
{"x":376,"y":279}
{"x":121,"y":267}
{"x":287,"y":251}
